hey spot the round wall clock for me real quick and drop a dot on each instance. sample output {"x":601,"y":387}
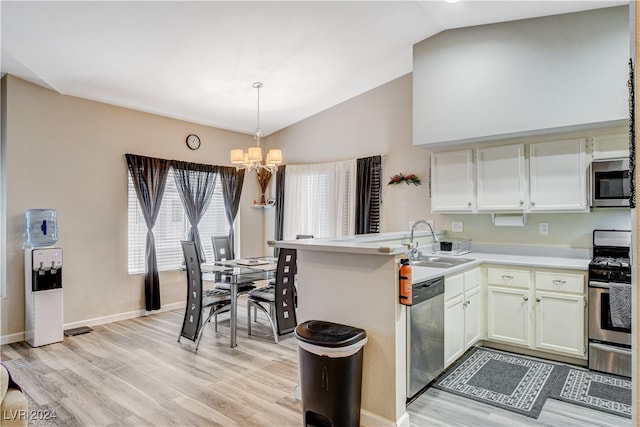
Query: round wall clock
{"x":193,"y":141}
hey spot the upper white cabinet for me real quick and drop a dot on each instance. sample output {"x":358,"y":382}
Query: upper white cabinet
{"x":501,"y":178}
{"x":610,"y":146}
{"x":546,"y":176}
{"x":452,"y":182}
{"x":557,"y":176}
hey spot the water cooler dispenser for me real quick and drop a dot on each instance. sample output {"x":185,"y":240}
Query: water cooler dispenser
{"x":43,"y":279}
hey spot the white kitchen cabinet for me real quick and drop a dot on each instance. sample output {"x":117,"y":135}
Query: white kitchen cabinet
{"x":452,"y":182}
{"x":508,"y":315}
{"x":560,"y":307}
{"x":553,"y":320}
{"x":610,"y":146}
{"x":501,"y":175}
{"x":558,"y":176}
{"x":463,"y":313}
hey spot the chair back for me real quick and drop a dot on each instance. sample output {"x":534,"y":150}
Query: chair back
{"x":193,"y":311}
{"x":286,"y":320}
{"x":222,"y":249}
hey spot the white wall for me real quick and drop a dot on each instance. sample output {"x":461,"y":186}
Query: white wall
{"x":521,"y":77}
{"x":67,"y":153}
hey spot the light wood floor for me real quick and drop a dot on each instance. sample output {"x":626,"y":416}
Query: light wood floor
{"x":135,"y":373}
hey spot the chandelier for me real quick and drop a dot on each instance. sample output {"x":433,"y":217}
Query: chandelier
{"x":252,"y":158}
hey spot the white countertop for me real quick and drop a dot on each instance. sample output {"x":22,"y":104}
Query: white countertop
{"x":392,"y":244}
{"x":479,"y":258}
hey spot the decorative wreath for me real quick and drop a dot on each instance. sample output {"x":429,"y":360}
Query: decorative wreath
{"x":408,"y":179}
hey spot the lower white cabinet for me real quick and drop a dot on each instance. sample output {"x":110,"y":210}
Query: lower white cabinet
{"x":560,"y":313}
{"x":463,"y":313}
{"x":508,"y":315}
{"x":541,"y":310}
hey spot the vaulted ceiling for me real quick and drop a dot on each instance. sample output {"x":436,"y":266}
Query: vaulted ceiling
{"x":197,"y":60}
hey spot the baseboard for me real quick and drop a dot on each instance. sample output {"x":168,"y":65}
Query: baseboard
{"x":369,"y":419}
{"x":20,"y":336}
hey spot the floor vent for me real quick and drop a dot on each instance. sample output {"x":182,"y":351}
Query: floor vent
{"x":77,"y":331}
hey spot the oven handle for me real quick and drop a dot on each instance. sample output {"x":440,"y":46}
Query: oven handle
{"x":610,"y":348}
{"x":603,"y":285}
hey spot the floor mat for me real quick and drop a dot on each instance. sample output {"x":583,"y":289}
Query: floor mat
{"x":604,"y":392}
{"x":517,"y":383}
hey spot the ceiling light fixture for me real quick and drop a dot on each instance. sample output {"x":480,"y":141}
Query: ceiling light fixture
{"x":252,"y":159}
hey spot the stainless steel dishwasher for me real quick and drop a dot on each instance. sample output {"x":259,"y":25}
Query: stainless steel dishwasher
{"x":425,"y":335}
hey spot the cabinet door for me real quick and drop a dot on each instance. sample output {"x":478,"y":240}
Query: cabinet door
{"x":501,"y":178}
{"x":473,"y":315}
{"x":453,"y":329}
{"x":508,"y":315}
{"x":560,"y":323}
{"x":452,"y":182}
{"x":558,"y":176}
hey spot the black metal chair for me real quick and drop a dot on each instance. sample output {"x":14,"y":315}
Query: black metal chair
{"x":278,"y":297}
{"x":199,"y":300}
{"x":223,"y":251}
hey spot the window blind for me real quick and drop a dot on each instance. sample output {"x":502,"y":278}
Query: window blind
{"x":171,"y":227}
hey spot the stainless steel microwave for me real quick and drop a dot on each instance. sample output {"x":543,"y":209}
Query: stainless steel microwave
{"x":610,"y":185}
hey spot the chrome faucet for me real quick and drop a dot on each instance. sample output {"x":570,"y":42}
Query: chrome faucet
{"x":414,"y":248}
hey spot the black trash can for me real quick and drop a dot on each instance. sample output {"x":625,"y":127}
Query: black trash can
{"x":330,"y":357}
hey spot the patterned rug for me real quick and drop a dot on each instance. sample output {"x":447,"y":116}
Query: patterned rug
{"x":516,"y":383}
{"x":596,"y":390}
{"x":522,"y":384}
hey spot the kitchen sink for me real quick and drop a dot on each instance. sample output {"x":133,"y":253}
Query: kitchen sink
{"x":436,"y":261}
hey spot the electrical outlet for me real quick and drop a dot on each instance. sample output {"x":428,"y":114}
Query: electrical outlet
{"x":456,"y":226}
{"x":543,"y":228}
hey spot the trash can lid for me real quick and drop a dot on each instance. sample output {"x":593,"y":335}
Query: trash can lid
{"x":329,"y":334}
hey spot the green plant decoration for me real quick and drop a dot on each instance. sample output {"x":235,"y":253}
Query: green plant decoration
{"x":408,"y":179}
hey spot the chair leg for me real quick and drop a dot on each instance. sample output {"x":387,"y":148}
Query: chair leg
{"x":249,"y":317}
{"x":213,"y":311}
{"x":266,"y":313}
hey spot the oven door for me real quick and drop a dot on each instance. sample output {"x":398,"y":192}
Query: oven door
{"x":600,"y":327}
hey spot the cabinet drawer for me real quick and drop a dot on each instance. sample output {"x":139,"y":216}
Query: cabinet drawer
{"x":505,"y":277}
{"x":560,"y":282}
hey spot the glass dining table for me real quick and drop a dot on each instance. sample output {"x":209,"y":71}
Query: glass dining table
{"x":236,"y":272}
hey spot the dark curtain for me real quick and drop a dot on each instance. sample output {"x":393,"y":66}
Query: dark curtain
{"x":279,"y":227}
{"x":368,"y":195}
{"x":195,"y":183}
{"x":232,"y":181}
{"x":149,"y":177}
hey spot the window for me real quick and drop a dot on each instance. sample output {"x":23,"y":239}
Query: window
{"x":320,"y":199}
{"x":171,"y":227}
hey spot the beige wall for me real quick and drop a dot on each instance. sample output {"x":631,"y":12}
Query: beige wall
{"x":67,"y":153}
{"x":376,"y":122}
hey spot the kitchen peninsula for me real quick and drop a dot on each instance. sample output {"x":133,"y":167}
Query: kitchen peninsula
{"x":354,"y":281}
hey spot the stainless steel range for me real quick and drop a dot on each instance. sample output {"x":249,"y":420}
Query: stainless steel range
{"x":610,"y":303}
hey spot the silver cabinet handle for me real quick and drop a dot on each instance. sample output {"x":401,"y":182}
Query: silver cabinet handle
{"x":538,"y":299}
{"x":521,"y":202}
{"x":533,"y":203}
{"x":526,"y":298}
{"x":469,"y":204}
{"x":559,"y":282}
